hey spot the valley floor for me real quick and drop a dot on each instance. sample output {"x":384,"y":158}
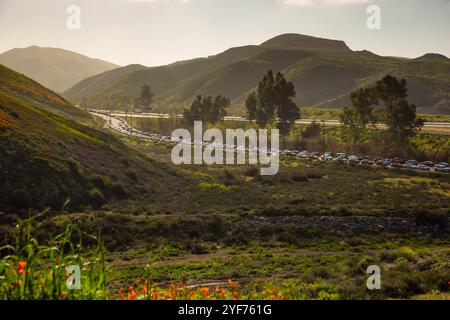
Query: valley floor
{"x":310,"y":232}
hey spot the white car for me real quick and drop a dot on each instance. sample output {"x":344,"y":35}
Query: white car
{"x":442,"y":168}
{"x":423,"y":167}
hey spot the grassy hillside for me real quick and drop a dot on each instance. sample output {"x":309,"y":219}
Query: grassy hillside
{"x":129,"y":80}
{"x":88,"y":87}
{"x":323,"y":71}
{"x":55,"y":68}
{"x":326,"y":76}
{"x":17,"y":85}
{"x":235,"y":79}
{"x":46,"y":158}
{"x":428,"y":84}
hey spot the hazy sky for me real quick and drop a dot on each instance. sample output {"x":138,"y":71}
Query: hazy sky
{"x":155,"y":32}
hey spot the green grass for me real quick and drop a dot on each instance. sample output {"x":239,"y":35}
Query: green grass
{"x":31,"y":269}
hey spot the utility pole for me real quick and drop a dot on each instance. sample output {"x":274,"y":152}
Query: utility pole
{"x":131,"y":118}
{"x":126,"y":111}
{"x":324,"y":136}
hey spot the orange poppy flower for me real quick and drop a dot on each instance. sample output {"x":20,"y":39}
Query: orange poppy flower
{"x":205,"y":292}
{"x":144,"y":290}
{"x":21,"y":267}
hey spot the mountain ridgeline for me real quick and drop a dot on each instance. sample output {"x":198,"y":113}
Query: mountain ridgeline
{"x":323,"y":71}
{"x":54,"y":68}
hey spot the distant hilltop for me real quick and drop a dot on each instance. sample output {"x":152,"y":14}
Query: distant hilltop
{"x":57,"y":69}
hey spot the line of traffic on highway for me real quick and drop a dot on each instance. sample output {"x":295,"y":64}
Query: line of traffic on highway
{"x":120,"y":125}
{"x":442,"y":167}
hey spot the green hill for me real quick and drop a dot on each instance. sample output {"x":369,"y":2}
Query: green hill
{"x":129,"y":80}
{"x":90,"y":86}
{"x":235,"y":79}
{"x":56,"y":69}
{"x":428,"y":84}
{"x":46,"y":157}
{"x":323,"y":71}
{"x":16,"y":85}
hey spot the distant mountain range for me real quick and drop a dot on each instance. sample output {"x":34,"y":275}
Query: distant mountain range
{"x":323,"y":71}
{"x":56,"y":69}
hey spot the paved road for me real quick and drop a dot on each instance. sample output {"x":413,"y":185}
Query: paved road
{"x":303,"y":121}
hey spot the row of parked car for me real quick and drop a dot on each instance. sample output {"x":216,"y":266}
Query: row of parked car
{"x":383,"y":162}
{"x":443,"y":167}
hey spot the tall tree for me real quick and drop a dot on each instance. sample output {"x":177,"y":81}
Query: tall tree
{"x":273,"y":99}
{"x":206,"y":108}
{"x":218,"y":111}
{"x":146,"y":98}
{"x":400,"y":116}
{"x":194,"y":113}
{"x":356,"y":119}
{"x":287,"y":111}
{"x":265,"y":112}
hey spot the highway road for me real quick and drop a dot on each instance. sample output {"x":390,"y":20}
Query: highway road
{"x":442,"y":125}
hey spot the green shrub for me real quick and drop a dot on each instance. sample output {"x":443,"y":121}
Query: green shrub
{"x":406,"y":253}
{"x":402,"y":264}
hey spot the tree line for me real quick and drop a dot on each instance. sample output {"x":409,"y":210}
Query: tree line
{"x":207,"y":109}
